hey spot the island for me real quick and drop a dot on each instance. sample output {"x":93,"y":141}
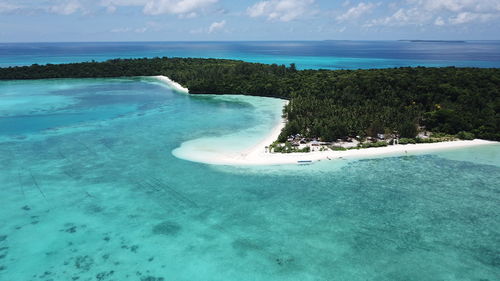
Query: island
{"x":434,"y":41}
{"x":329,"y":111}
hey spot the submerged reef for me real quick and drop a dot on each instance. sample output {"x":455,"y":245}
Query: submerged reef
{"x":167,"y":228}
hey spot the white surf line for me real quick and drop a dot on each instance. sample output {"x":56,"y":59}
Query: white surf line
{"x":172,"y":84}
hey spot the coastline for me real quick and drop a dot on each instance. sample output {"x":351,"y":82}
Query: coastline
{"x":257,"y":155}
{"x":363,"y":153}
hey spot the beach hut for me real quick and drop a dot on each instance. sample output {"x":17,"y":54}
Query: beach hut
{"x":315,"y":143}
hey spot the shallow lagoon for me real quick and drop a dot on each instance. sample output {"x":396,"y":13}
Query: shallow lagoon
{"x":101,"y":197}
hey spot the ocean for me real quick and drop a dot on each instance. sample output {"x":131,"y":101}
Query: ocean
{"x":305,"y":54}
{"x":90,"y":190}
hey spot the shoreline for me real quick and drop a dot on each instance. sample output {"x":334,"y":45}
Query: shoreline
{"x":256,"y":155}
{"x":373,"y":152}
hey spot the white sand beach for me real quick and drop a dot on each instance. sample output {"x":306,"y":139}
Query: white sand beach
{"x":259,"y":158}
{"x":257,"y":155}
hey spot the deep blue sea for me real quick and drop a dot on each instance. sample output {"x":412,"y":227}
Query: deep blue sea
{"x":306,"y":54}
{"x":90,"y":190}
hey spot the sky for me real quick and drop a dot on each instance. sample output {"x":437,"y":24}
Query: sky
{"x":237,"y":20}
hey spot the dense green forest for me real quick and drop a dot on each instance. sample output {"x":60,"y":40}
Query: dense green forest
{"x":325,"y":104}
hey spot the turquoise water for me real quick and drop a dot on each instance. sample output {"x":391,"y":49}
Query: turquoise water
{"x":89,"y":190}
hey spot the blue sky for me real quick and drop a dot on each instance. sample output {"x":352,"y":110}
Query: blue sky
{"x":214,"y":20}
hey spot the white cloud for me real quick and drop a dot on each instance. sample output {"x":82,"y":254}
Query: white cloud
{"x":259,"y":9}
{"x":7,"y":7}
{"x":280,"y":10}
{"x":66,"y":8}
{"x":183,"y":8}
{"x":478,"y":6}
{"x":113,"y":5}
{"x":356,"y":12}
{"x":440,"y":12}
{"x":216,"y":26}
{"x":467,"y":17}
{"x":111,"y":9}
{"x":439,"y":21}
{"x":157,"y":7}
{"x":464,"y":11}
{"x":402,"y":17}
{"x":124,"y":2}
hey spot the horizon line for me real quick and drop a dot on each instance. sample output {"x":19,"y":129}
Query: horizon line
{"x":230,"y":41}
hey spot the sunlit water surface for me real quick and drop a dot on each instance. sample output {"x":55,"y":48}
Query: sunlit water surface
{"x":89,"y":190}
